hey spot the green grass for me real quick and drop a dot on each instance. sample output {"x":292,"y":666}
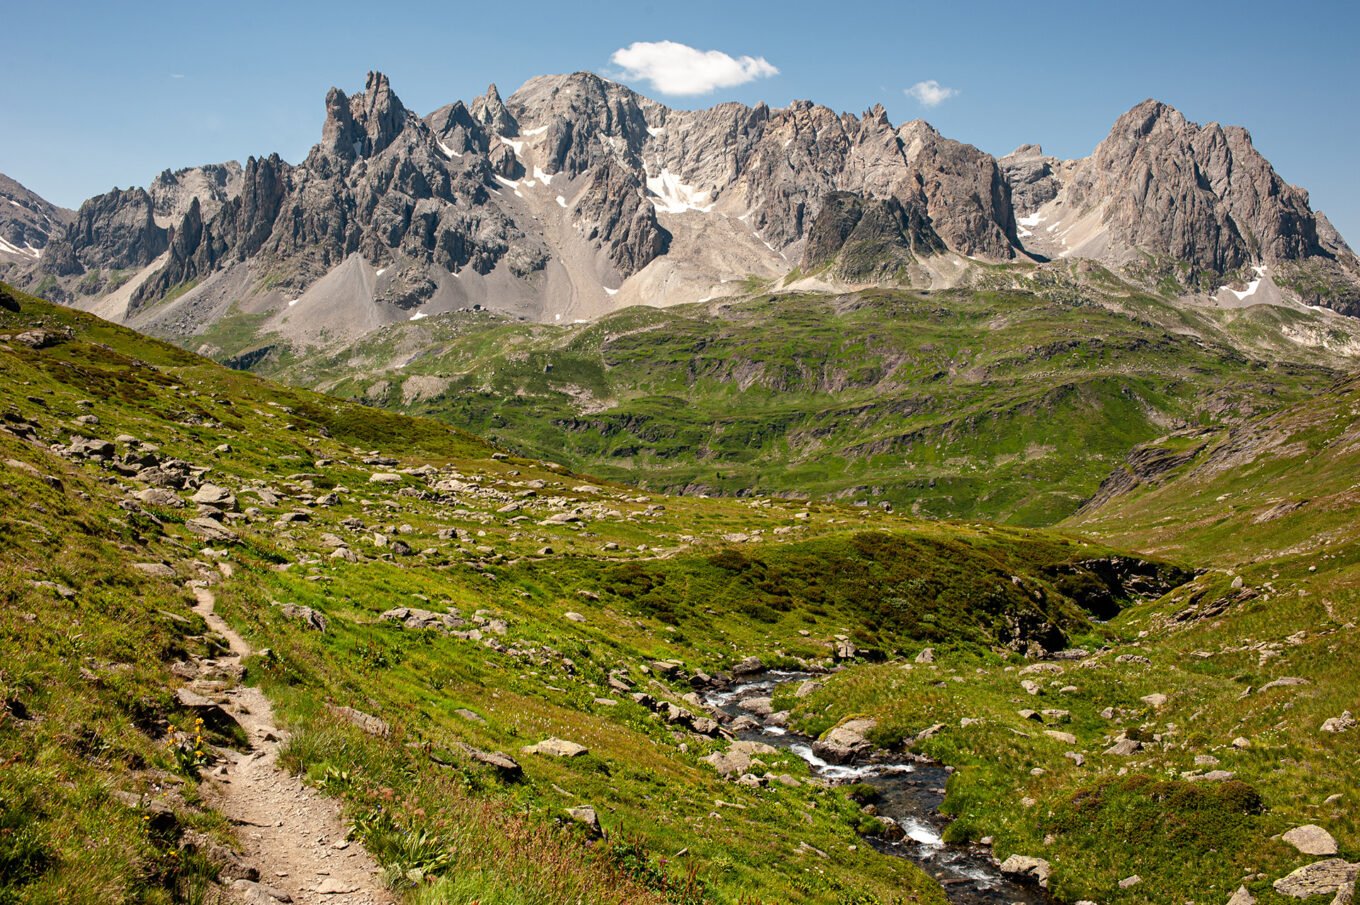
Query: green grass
{"x":1003,"y":404}
{"x":706,"y":582}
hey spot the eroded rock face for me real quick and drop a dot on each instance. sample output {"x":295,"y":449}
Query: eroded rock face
{"x":116,"y":230}
{"x":869,"y":239}
{"x":614,"y":212}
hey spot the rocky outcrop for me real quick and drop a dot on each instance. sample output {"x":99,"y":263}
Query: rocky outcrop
{"x":615,"y":214}
{"x":869,"y":239}
{"x":113,"y":231}
{"x":1031,"y":176}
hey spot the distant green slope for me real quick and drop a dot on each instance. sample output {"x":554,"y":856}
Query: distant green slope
{"x":1010,"y":405}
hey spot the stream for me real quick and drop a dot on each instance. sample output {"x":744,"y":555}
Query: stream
{"x":910,"y":794}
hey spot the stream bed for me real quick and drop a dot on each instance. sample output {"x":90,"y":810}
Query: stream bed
{"x":909,"y":794}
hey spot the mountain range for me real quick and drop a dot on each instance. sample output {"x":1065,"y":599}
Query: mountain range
{"x":577,"y":196}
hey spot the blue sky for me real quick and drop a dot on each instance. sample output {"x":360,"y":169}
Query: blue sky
{"x":100,"y":94}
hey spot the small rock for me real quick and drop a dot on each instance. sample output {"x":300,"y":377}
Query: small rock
{"x":1125,"y":747}
{"x":556,"y":747}
{"x":573,"y":617}
{"x":587,"y":818}
{"x":1130,"y":882}
{"x":333,"y":887}
{"x":1343,"y":723}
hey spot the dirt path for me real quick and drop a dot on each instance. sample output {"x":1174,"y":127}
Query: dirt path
{"x":292,"y":834}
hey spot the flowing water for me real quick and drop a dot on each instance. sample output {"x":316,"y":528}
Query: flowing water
{"x":910,"y":795}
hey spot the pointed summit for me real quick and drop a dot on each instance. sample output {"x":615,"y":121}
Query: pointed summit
{"x":490,"y":111}
{"x":365,"y":124}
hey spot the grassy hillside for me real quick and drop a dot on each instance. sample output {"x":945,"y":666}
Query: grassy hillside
{"x":1252,"y":658}
{"x":572,"y":593}
{"x":560,"y":581}
{"x":1010,"y":404}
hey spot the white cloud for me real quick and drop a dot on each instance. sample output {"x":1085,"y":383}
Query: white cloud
{"x":931,"y":93}
{"x":673,"y":68}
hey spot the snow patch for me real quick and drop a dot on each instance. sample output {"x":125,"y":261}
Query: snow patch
{"x":545,"y":178}
{"x":608,"y":291}
{"x":380,"y":272}
{"x":516,"y":146}
{"x":419,"y":315}
{"x":1032,"y":220}
{"x":561,"y":202}
{"x":28,"y":251}
{"x":448,"y":152}
{"x":1251,"y":287}
{"x":530,"y":133}
{"x":292,"y":302}
{"x":675,"y":197}
{"x":654,"y":131}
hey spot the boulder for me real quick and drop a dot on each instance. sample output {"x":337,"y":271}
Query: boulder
{"x":556,"y":747}
{"x":1243,"y":896}
{"x":158,"y":496}
{"x":209,"y":530}
{"x":846,"y":743}
{"x":304,"y":614}
{"x":586,"y":817}
{"x":384,"y":478}
{"x":367,"y":722}
{"x":1023,"y":867}
{"x":424,"y":619}
{"x":212,"y":714}
{"x":154,"y":569}
{"x":215,"y":496}
{"x":504,"y":764}
{"x":1311,"y":840}
{"x":1318,"y":879}
{"x":1125,"y":747}
{"x":749,"y":666}
{"x":1343,"y":723}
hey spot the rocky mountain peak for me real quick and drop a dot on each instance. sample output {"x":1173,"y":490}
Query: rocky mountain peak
{"x":365,"y":124}
{"x":1147,"y":117}
{"x":490,"y":111}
